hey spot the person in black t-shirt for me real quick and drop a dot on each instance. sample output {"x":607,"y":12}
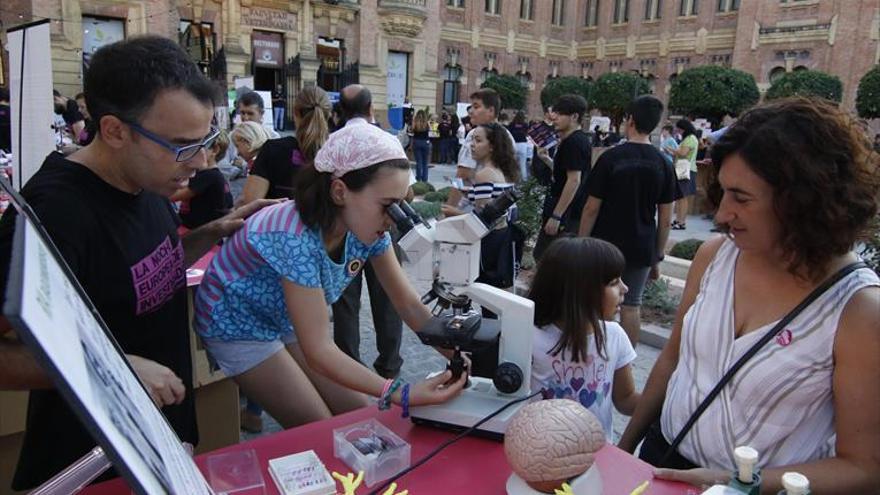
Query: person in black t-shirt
{"x":628,"y":186}
{"x":570,"y":166}
{"x":106,"y":208}
{"x":207,"y":197}
{"x":69,"y":110}
{"x":275,"y":168}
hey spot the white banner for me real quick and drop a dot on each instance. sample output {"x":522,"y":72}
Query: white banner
{"x":398,"y":72}
{"x":30,"y":91}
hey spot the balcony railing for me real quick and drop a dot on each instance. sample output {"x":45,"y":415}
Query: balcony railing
{"x":419,"y":7}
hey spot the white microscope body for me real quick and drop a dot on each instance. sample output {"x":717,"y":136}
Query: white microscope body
{"x":448,"y":253}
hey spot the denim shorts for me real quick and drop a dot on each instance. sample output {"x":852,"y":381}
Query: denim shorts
{"x":234,"y":357}
{"x":635,"y":278}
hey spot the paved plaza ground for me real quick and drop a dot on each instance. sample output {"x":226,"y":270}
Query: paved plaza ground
{"x":419,"y":360}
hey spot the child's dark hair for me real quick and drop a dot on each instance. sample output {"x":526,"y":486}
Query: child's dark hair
{"x":312,"y":193}
{"x":568,"y":288}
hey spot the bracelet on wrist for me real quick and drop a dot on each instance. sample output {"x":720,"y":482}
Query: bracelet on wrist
{"x":556,"y":217}
{"x":385,"y":400}
{"x":404,"y":400}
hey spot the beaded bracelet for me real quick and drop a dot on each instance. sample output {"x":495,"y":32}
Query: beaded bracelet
{"x":385,"y":388}
{"x":385,"y":400}
{"x":404,"y":400}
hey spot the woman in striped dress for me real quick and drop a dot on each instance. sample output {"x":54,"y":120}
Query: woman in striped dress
{"x":796,"y":184}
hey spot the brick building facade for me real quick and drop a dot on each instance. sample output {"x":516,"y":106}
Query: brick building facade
{"x":436,"y":52}
{"x":540,"y":39}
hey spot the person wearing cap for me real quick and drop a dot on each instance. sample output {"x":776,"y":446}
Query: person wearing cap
{"x":262,"y":307}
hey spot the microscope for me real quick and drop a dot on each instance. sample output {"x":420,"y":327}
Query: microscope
{"x":447,"y":253}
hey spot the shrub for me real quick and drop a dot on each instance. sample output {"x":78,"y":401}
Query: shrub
{"x":529,"y":206}
{"x":685,"y":249}
{"x":426,"y":209}
{"x":868,"y":95}
{"x":657,"y":296}
{"x":870,"y":249}
{"x":512,"y":92}
{"x":436,"y":196}
{"x":810,"y":83}
{"x":420,"y":188}
{"x":614,"y":91}
{"x":712,"y":92}
{"x":568,"y":85}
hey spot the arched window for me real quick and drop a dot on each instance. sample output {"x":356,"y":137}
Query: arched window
{"x":776,"y":73}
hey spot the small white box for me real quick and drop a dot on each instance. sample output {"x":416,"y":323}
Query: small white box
{"x":301,"y":474}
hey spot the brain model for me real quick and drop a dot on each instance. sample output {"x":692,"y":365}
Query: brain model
{"x":551,"y":441}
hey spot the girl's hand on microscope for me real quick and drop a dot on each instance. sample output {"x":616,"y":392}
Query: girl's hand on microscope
{"x":434,"y":390}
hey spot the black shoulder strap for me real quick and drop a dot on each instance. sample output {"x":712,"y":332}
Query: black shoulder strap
{"x":818,"y":291}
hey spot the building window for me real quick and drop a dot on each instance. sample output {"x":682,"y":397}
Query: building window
{"x":493,"y":7}
{"x":526,"y":10}
{"x":728,"y":5}
{"x":451,"y":84}
{"x":775,"y":74}
{"x":621,"y":11}
{"x":592,"y":13}
{"x":652,"y":10}
{"x":455,"y":3}
{"x":688,"y":7}
{"x":558,"y":12}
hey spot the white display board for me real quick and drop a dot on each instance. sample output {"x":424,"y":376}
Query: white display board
{"x":30,"y":91}
{"x":54,"y":318}
{"x":397,"y":75}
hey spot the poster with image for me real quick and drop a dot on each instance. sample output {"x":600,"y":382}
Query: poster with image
{"x":55,"y":319}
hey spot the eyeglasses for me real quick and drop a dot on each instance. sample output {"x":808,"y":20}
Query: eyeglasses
{"x":182,"y":153}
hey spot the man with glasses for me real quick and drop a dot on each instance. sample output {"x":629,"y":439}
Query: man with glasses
{"x":106,"y":209}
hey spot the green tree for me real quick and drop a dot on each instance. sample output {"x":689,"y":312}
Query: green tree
{"x":711,"y":92}
{"x":807,"y":83}
{"x":568,"y":85}
{"x":868,"y":96}
{"x":513,"y":93}
{"x":613,"y":92}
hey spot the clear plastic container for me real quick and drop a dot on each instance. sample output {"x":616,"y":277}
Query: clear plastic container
{"x":370,"y":447}
{"x":235,"y":473}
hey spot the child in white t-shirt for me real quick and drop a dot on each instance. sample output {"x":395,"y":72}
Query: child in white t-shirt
{"x":578,"y":352}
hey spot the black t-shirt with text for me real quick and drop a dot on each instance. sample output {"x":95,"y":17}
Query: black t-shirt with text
{"x":573,"y":153}
{"x":631,"y":180}
{"x":125,"y":252}
{"x":278,"y":162}
{"x":5,"y":128}
{"x":212,"y":199}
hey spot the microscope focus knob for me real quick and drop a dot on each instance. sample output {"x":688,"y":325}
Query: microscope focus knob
{"x":508,"y":378}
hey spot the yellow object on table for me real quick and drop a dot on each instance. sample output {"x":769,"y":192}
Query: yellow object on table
{"x":641,"y":488}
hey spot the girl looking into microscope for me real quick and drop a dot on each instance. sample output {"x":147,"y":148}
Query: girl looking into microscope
{"x":262,"y":307}
{"x":578,"y":351}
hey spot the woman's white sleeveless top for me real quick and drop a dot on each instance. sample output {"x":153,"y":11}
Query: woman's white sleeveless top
{"x":780,"y":401}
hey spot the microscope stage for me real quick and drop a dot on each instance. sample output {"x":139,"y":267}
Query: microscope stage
{"x":476,"y":402}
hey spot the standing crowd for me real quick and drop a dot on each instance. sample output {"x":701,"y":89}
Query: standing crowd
{"x":310,"y":225}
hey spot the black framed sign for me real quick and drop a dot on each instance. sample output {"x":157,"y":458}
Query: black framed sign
{"x":54,"y":317}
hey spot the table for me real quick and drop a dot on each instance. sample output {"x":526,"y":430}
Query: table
{"x":471,"y":466}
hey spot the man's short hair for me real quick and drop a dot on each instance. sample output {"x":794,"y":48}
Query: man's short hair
{"x":80,"y":96}
{"x":669,"y":128}
{"x":125,"y":77}
{"x":489,"y":97}
{"x":570,"y":105}
{"x":252,"y":98}
{"x":645,"y":111}
{"x":4,"y":94}
{"x":358,"y":105}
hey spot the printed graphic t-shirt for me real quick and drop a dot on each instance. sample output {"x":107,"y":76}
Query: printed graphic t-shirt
{"x":241,"y":296}
{"x":125,"y":252}
{"x":590,"y":383}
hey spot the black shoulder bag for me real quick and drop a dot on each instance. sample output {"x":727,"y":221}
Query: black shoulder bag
{"x":818,"y":291}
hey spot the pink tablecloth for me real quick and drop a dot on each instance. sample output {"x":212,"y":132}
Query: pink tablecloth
{"x":472,"y":466}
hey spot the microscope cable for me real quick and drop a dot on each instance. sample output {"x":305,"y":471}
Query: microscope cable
{"x":449,"y":442}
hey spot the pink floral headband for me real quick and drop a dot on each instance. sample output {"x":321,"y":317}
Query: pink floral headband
{"x":357,"y":145}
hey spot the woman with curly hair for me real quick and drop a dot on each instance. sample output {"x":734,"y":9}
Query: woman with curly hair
{"x":796,"y":185}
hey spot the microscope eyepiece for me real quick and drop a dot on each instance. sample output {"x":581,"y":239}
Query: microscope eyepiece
{"x":401,"y":219}
{"x":498,"y":207}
